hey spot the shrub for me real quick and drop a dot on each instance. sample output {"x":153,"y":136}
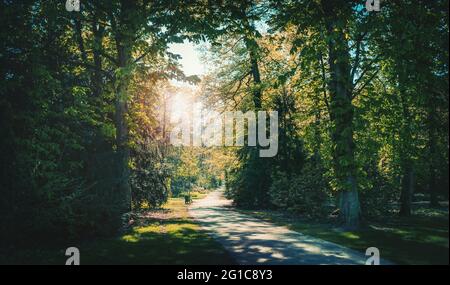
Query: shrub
{"x":306,"y":193}
{"x":378,"y":200}
{"x":148,"y":177}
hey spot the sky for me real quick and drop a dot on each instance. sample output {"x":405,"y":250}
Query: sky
{"x":190,"y":58}
{"x":191,"y":64}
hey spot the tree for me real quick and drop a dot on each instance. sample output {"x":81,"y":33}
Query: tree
{"x":410,"y":29}
{"x":333,"y":25}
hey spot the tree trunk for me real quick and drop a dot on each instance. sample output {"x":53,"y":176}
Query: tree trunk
{"x":317,"y":137}
{"x":123,"y":36}
{"x":97,"y":30}
{"x":341,"y":109}
{"x":252,"y":47}
{"x":253,"y":50}
{"x":349,"y":207}
{"x":123,"y":150}
{"x":432,"y":141}
{"x":407,"y":163}
{"x":434,"y":200}
{"x":407,"y":191}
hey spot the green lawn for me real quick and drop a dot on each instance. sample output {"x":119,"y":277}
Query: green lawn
{"x":420,"y":239}
{"x":165,"y":236}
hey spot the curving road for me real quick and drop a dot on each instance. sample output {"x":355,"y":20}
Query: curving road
{"x":253,"y":241}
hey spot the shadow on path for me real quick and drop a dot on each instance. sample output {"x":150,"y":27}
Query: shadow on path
{"x":253,"y":241}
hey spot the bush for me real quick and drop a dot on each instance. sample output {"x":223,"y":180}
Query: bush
{"x":248,"y":184}
{"x":378,"y":191}
{"x":378,"y":200}
{"x":306,"y":194}
{"x":148,"y":177}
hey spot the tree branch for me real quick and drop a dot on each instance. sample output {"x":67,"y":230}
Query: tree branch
{"x":356,"y":93}
{"x":357,"y":55}
{"x":365,"y":71}
{"x":324,"y":83}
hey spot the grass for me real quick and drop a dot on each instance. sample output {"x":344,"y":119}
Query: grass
{"x":420,"y":239}
{"x":170,"y":236}
{"x":164,"y":236}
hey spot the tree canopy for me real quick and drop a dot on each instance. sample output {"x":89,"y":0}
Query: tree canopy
{"x":362,"y":99}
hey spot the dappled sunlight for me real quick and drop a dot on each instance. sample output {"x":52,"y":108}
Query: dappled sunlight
{"x":351,"y":235}
{"x":170,"y":237}
{"x":125,"y":124}
{"x":148,"y":229}
{"x":254,"y":241}
{"x":406,"y":241}
{"x":179,"y":107}
{"x":130,"y":238}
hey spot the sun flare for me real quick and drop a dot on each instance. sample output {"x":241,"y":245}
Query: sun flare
{"x":179,"y":106}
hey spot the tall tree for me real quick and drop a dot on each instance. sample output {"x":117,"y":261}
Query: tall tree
{"x":340,"y":30}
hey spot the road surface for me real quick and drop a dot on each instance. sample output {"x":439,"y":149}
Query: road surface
{"x":253,"y":241}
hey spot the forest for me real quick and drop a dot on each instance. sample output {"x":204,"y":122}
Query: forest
{"x":86,"y":98}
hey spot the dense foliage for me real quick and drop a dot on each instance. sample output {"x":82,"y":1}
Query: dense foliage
{"x":362,"y":100}
{"x":362,"y":94}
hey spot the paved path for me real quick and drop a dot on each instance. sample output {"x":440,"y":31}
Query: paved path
{"x":253,"y":241}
